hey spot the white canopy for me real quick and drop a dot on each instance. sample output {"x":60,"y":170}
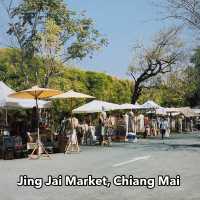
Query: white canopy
{"x":161,"y":111}
{"x":8,"y":102}
{"x":96,"y":106}
{"x":186,"y":111}
{"x":128,"y":106}
{"x":196,"y":110}
{"x":24,"y":103}
{"x":150,"y":105}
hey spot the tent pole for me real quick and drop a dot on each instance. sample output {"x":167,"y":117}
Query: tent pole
{"x":71,"y":110}
{"x":6,"y":117}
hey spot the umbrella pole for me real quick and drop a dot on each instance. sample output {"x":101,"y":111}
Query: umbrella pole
{"x":39,"y":143}
{"x":71,"y":108}
{"x":38,"y":125}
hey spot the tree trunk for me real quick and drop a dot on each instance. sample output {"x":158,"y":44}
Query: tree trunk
{"x":136,"y":93}
{"x":46,"y":81}
{"x":26,"y":80}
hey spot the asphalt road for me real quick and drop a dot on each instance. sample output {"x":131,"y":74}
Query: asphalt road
{"x":179,"y":155}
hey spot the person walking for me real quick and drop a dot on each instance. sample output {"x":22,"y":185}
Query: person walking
{"x":163,"y":127}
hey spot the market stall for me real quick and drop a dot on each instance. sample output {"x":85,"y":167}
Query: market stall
{"x":22,"y":117}
{"x":105,"y":123}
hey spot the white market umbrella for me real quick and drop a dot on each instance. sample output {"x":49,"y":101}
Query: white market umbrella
{"x":72,"y":95}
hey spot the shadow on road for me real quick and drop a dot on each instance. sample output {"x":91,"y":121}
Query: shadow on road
{"x":175,"y":146}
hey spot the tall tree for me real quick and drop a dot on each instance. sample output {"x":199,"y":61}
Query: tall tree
{"x":155,"y":60}
{"x":78,"y":36}
{"x":48,"y":49}
{"x":193,"y":74}
{"x":187,"y":11}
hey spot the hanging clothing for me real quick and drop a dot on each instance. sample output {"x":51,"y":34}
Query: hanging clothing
{"x":131,"y":122}
{"x":74,"y":137}
{"x":180,"y":124}
{"x":126,"y":120}
{"x":167,"y":133}
{"x":102,"y":121}
{"x":141,"y":123}
{"x":154,"y":127}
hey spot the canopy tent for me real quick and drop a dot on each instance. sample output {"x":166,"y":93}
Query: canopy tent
{"x":9,"y":102}
{"x":128,"y":106}
{"x":186,"y":111}
{"x":161,"y":111}
{"x":150,"y":105}
{"x":196,"y":110}
{"x":96,"y":106}
{"x":5,"y":90}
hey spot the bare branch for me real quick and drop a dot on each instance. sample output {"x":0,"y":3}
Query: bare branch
{"x":158,"y":59}
{"x":187,"y":11}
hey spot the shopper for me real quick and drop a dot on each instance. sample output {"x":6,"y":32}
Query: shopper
{"x":163,"y":127}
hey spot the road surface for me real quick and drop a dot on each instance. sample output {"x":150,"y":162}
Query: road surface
{"x":179,"y":155}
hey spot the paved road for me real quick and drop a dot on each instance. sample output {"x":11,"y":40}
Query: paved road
{"x":148,"y":158}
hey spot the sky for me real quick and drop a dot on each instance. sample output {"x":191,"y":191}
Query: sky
{"x":122,"y":22}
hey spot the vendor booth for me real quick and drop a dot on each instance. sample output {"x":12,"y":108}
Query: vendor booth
{"x":105,"y":125}
{"x":17,"y":119}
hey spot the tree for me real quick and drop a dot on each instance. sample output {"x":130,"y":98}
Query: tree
{"x":187,"y":11}
{"x":77,"y":35}
{"x":97,"y":84}
{"x":193,"y":75}
{"x":48,"y":49}
{"x":9,"y":65}
{"x":158,"y":59}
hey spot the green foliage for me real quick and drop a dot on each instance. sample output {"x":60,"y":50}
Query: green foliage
{"x":99,"y":85}
{"x":180,"y":88}
{"x":174,"y":91}
{"x":9,"y":67}
{"x":194,"y":75}
{"x":44,"y":26}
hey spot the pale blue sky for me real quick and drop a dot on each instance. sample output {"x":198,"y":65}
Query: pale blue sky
{"x":122,"y":22}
